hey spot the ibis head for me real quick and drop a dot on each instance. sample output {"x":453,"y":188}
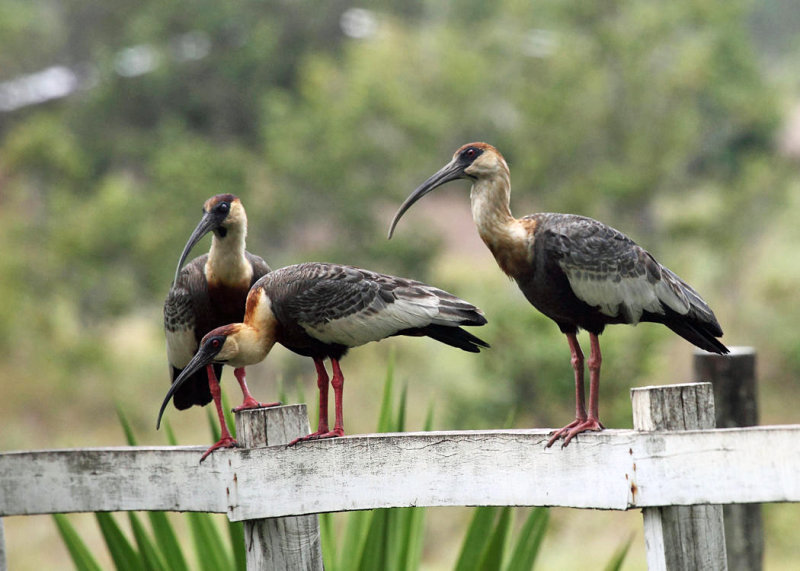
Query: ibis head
{"x":472,"y":161}
{"x":221,"y":214}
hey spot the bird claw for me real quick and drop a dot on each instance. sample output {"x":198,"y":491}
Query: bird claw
{"x":573,"y":429}
{"x":251,"y":403}
{"x":225,"y":442}
{"x":318,"y":435}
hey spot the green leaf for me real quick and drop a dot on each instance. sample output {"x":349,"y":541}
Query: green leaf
{"x":236,"y":533}
{"x":492,"y":556}
{"x":385,"y":415}
{"x":167,"y":541}
{"x":126,"y":426}
{"x":528,"y":541}
{"x":327,"y":534}
{"x":150,"y":557}
{"x":373,"y":554}
{"x":81,"y":556}
{"x":355,"y":536}
{"x":476,"y":539}
{"x":619,"y":556}
{"x":210,"y":550}
{"x":122,"y":552}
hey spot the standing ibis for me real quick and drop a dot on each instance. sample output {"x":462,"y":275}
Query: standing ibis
{"x":210,"y":291}
{"x":575,"y":270}
{"x":320,"y":311}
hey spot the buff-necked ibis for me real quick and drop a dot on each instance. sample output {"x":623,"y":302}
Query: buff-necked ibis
{"x":577,"y":271}
{"x":321,"y":310}
{"x":208,"y":292}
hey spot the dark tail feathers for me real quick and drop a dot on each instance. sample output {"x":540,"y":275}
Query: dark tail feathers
{"x":700,"y":334}
{"x":455,"y":337}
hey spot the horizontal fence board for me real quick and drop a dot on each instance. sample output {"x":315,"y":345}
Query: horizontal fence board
{"x":614,"y":469}
{"x":111,"y":479}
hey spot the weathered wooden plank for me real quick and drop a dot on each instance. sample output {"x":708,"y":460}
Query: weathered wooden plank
{"x":733,"y":377}
{"x":680,"y":537}
{"x":741,"y":465}
{"x":112,"y":479}
{"x":3,"y":564}
{"x":285,"y":543}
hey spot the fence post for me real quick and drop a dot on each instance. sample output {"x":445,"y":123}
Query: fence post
{"x":680,"y":537}
{"x":286,"y":543}
{"x":3,"y":564}
{"x":736,"y":401}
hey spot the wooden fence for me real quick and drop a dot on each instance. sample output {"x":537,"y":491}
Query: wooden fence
{"x":673,"y":465}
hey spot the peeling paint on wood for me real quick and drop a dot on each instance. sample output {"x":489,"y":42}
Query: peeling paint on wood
{"x":738,"y":465}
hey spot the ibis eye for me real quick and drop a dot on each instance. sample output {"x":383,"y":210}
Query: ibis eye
{"x":470,"y":153}
{"x":223,"y":207}
{"x":216,"y":343}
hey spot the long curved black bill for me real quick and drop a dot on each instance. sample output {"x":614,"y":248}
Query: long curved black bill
{"x":202,"y":358}
{"x":207,"y":224}
{"x":451,"y":171}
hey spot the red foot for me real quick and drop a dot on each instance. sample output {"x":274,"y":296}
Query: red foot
{"x":225,"y":442}
{"x":335,"y":433}
{"x":250,"y":402}
{"x":573,"y":429}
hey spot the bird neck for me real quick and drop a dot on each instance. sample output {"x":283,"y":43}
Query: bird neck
{"x":253,"y":346}
{"x":227,"y":262}
{"x":260,"y":327}
{"x":507,"y":237}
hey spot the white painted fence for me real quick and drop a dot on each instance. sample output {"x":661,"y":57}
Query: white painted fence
{"x":614,"y":469}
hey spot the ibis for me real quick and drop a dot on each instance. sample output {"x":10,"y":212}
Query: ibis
{"x":577,"y":271}
{"x":208,"y":292}
{"x":321,"y":310}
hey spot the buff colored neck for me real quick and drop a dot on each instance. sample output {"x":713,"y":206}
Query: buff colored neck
{"x":506,"y":236}
{"x":226,"y":260}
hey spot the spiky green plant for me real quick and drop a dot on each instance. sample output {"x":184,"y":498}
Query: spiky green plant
{"x":388,"y":539}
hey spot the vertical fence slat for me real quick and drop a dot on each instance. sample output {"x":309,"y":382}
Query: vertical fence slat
{"x":286,"y":543}
{"x":736,"y":402}
{"x":3,"y":564}
{"x":680,"y":537}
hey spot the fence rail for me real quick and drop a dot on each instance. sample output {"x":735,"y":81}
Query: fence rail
{"x":615,"y":470}
{"x":660,"y":468}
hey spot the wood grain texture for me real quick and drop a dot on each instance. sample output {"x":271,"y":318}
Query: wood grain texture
{"x":733,"y":377}
{"x":632,"y":469}
{"x":680,"y":537}
{"x":281,"y":543}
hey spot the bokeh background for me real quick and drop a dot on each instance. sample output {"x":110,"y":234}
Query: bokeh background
{"x":678,"y":123}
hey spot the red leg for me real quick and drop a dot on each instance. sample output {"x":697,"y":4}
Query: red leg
{"x":249,"y":401}
{"x":593,"y":421}
{"x":226,"y":440}
{"x":322,"y":385}
{"x":580,"y":395}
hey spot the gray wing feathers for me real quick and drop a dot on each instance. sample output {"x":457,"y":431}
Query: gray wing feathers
{"x":351,"y":306}
{"x":608,"y":270}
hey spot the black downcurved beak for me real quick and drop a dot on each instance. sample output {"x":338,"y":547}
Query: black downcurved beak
{"x":203,"y":357}
{"x":451,"y":171}
{"x":207,"y":223}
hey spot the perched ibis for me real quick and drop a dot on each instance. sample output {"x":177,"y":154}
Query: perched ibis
{"x":210,"y":291}
{"x":577,"y":271}
{"x":321,"y":310}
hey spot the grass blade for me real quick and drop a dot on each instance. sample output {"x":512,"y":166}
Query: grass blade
{"x":492,"y":557}
{"x":121,"y":550}
{"x":126,"y":426}
{"x":167,"y":541}
{"x":208,"y":544}
{"x":385,"y":415}
{"x":82,"y":558}
{"x":150,"y":558}
{"x":373,"y":553}
{"x":475,"y":541}
{"x":619,"y":556}
{"x":529,"y":540}
{"x":327,"y":535}
{"x":355,"y":536}
{"x":236,"y":534}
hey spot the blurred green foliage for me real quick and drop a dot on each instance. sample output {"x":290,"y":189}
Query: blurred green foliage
{"x":657,"y":119}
